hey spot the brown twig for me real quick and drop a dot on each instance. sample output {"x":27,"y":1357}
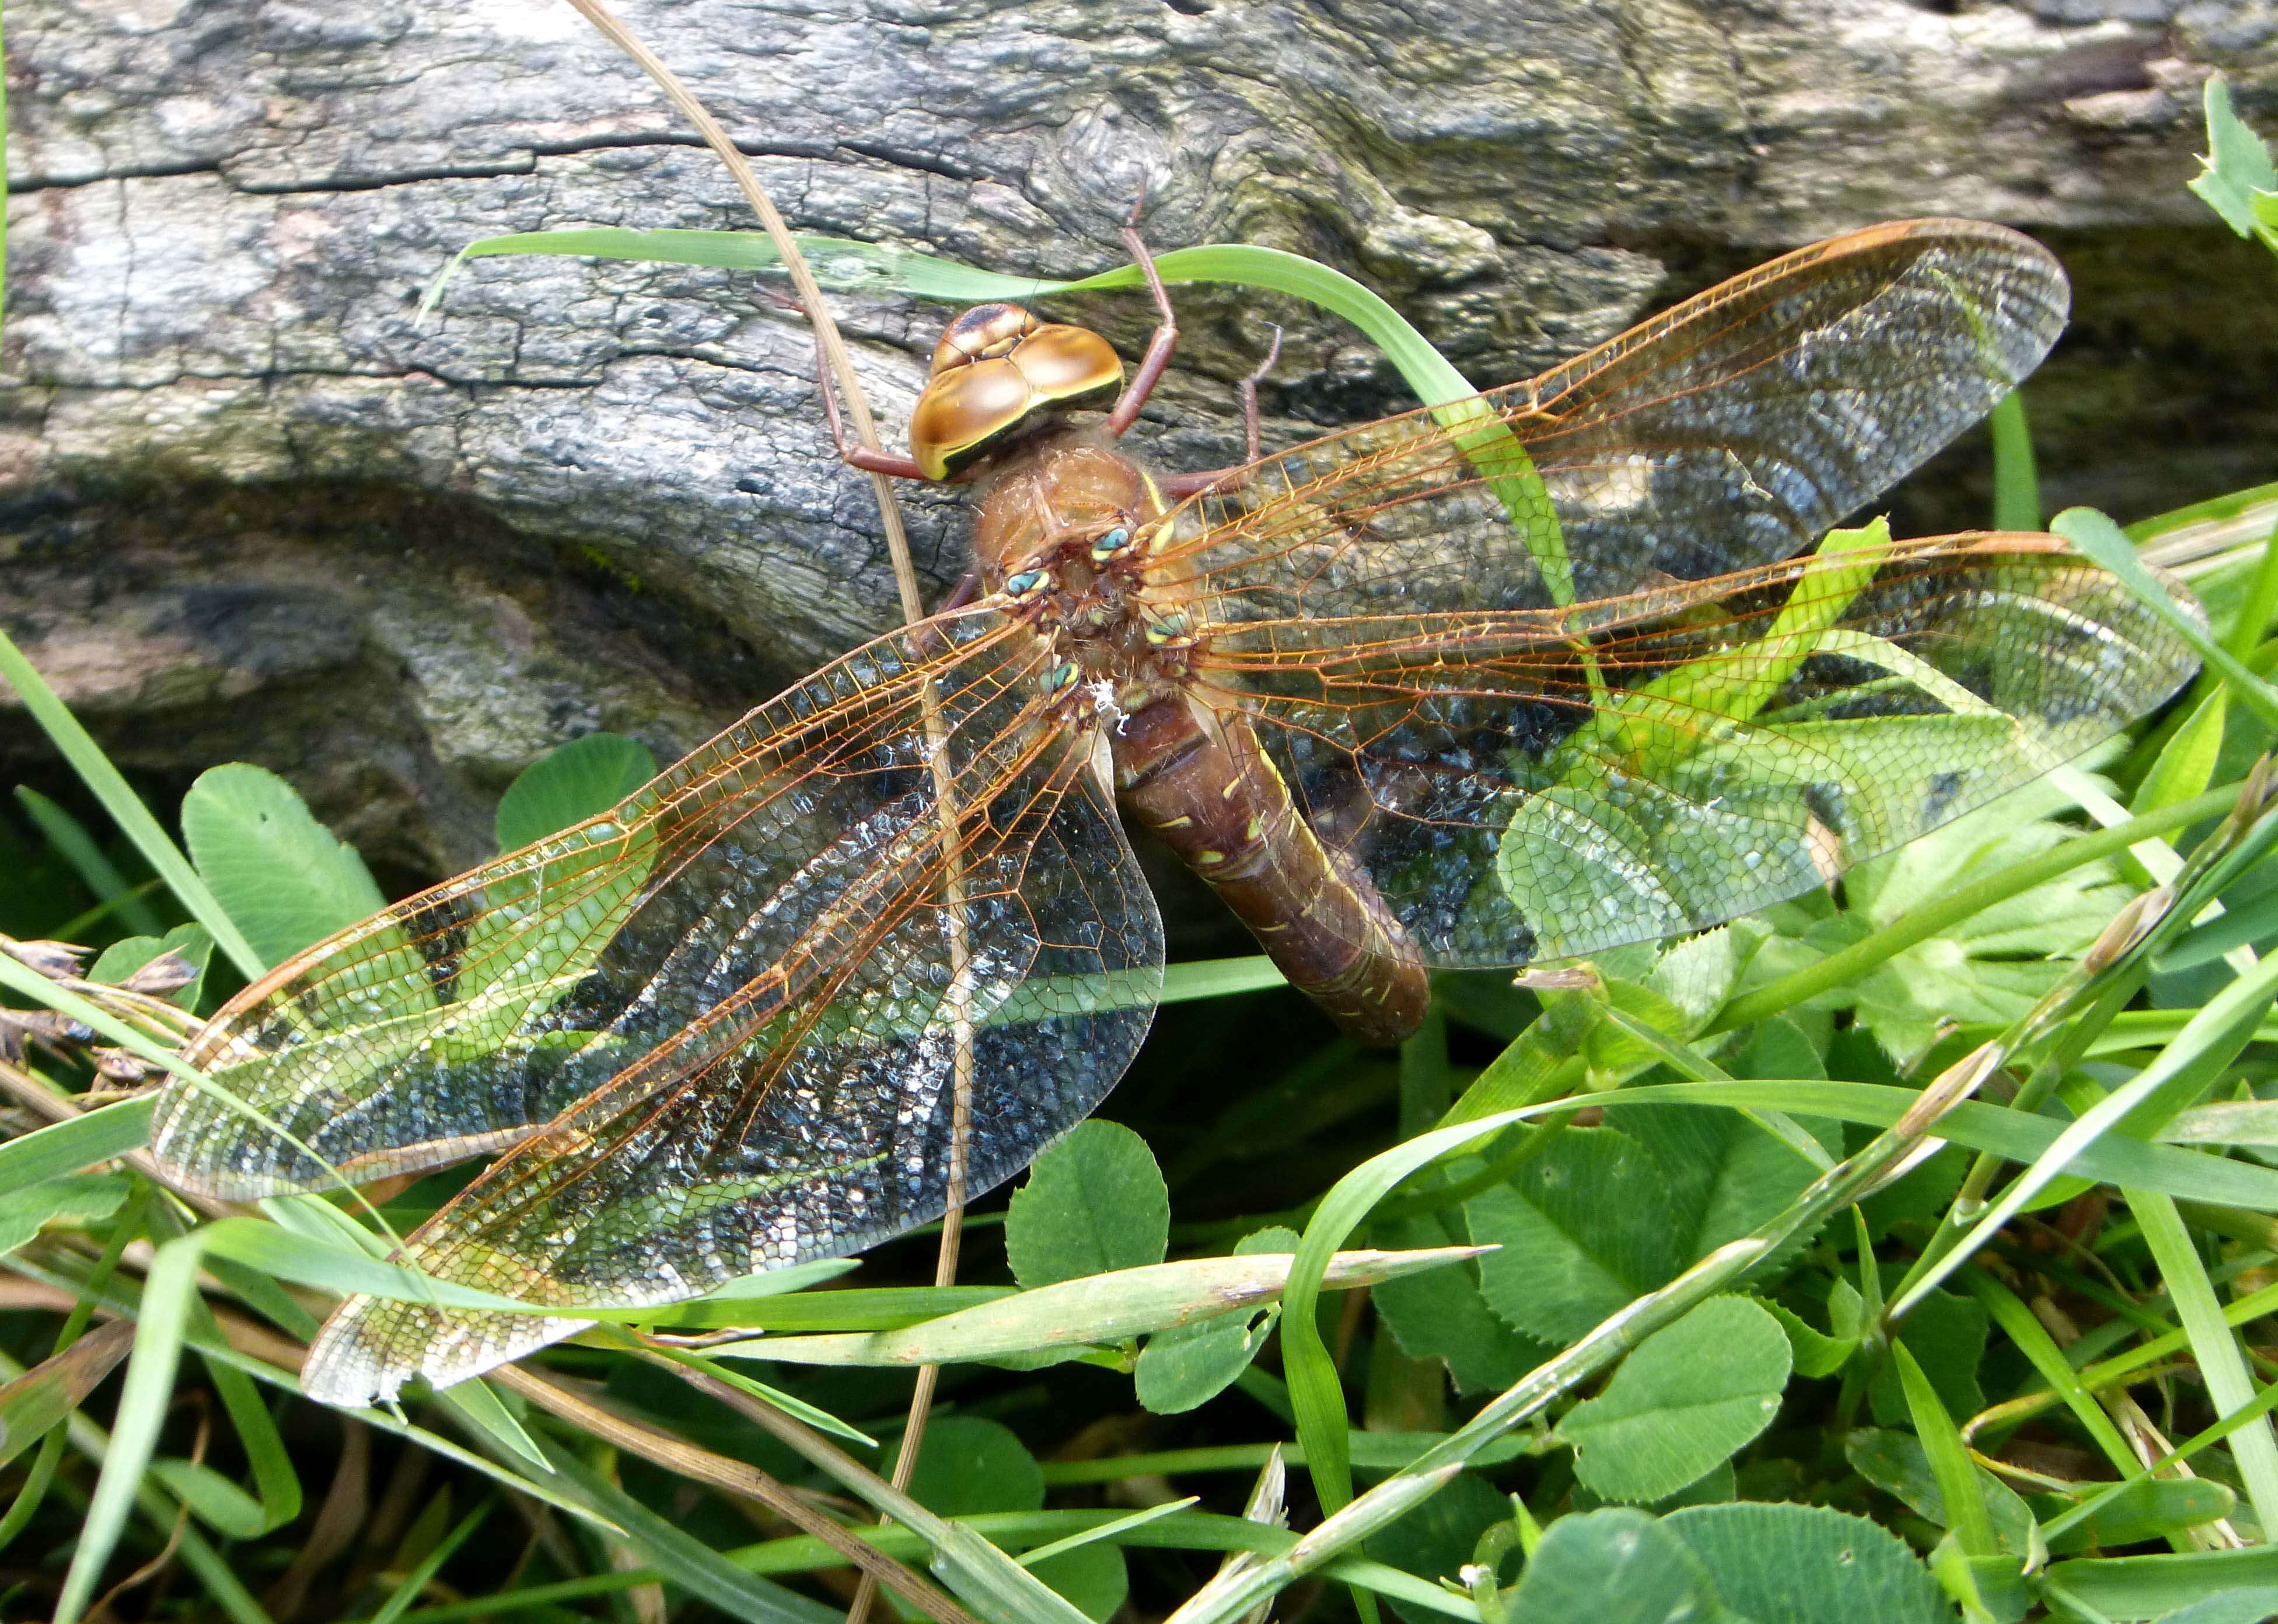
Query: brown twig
{"x":834,"y":351}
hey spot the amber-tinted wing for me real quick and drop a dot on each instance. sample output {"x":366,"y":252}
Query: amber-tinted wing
{"x":728,"y":1009}
{"x":1543,"y":784}
{"x":1729,"y":431}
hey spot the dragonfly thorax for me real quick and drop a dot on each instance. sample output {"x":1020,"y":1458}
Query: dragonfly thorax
{"x":1064,"y":532}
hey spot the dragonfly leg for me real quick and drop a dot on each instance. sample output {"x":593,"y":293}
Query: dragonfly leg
{"x":1211,"y":479}
{"x":967,"y":588}
{"x":1157,"y":359}
{"x":857,"y":456}
{"x":1248,"y":387}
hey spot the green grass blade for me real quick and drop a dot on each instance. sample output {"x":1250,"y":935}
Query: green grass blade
{"x":2098,"y":538}
{"x":1095,"y":1310}
{"x":886,"y":1307}
{"x":399,"y":1601}
{"x":149,"y":1388}
{"x":2098,"y":1590}
{"x":1949,"y":1460}
{"x":2260,"y":603}
{"x":157,"y":1508}
{"x":1106,"y":1530}
{"x":686,"y":1560}
{"x":1847,"y":965}
{"x":276,"y":1484}
{"x":867,"y":267}
{"x":62,"y":1147}
{"x":37,"y":1401}
{"x":814,"y":1416}
{"x":2232,"y":505}
{"x":1687,"y":1061}
{"x":1220,"y":978}
{"x":2012,"y":1135}
{"x":126,"y":808}
{"x":2033,"y":1340}
{"x":481,"y":1411}
{"x":1162,"y":1528}
{"x":2017,"y":487}
{"x":1484,"y":439}
{"x":2218,"y":1022}
{"x":70,"y":837}
{"x":123,"y":1298}
{"x":2265,"y":1401}
{"x":289,"y":1255}
{"x":2229,"y":1386}
{"x":1314,"y":1389}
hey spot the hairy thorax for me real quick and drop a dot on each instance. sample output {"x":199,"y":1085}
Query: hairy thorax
{"x":1066,"y":529}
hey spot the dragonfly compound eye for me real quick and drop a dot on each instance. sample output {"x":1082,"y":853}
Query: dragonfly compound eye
{"x":1116,"y":542}
{"x":997,"y":369}
{"x":981,"y":333}
{"x":1060,"y":678}
{"x":1028,"y":583}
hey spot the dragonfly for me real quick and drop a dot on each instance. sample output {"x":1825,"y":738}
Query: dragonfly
{"x":1520,"y":679}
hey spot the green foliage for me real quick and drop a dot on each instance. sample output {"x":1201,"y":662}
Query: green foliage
{"x":1442,"y":1314}
{"x":1585,"y":1223}
{"x":578,"y":780}
{"x":968,"y":1466}
{"x":1617,"y":1567}
{"x":1808,"y":1565}
{"x":1094,"y":1202}
{"x":2255,"y":1606}
{"x":2149,"y":1509}
{"x":1602,"y":1214}
{"x":1094,"y":1577}
{"x":1947,"y":1336}
{"x":1987,"y":970}
{"x":2237,"y":182}
{"x":285,"y":879}
{"x":1580,"y":1232}
{"x":1439,"y":1537}
{"x":1898,"y":1464}
{"x":78,"y":848}
{"x":75,"y":1198}
{"x":1689,"y":1399}
{"x":118,"y":963}
{"x":1186,"y":1367}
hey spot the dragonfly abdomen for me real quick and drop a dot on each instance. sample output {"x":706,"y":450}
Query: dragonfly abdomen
{"x":1211,"y":795}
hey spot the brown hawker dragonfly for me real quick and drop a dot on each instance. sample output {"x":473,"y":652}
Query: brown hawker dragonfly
{"x":1406,"y":697}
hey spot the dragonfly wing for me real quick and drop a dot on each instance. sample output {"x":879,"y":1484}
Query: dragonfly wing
{"x":1541,"y":785}
{"x":813,"y":1112}
{"x":1729,"y":431}
{"x":455,"y":1022}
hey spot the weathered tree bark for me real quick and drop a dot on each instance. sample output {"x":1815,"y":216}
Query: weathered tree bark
{"x":253,"y":508}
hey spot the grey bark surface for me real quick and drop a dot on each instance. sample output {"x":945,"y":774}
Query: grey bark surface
{"x":252,"y":507}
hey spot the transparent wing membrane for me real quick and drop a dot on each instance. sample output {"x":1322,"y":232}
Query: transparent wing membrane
{"x":1549,"y":783}
{"x":1729,"y":431}
{"x":826,"y":1124}
{"x":720,"y":1021}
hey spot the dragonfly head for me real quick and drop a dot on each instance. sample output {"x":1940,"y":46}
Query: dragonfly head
{"x":997,"y":370}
